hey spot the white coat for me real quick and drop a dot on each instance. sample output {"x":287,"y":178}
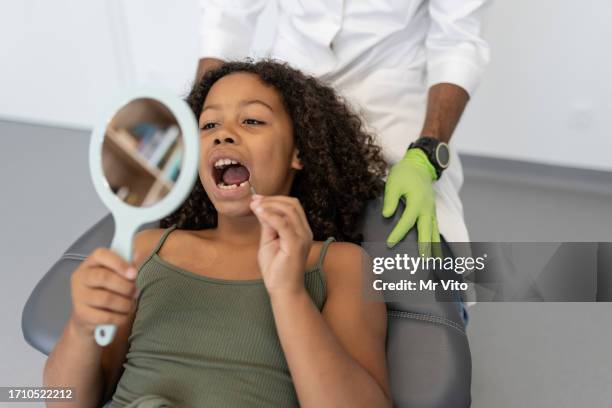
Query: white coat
{"x":383,"y":55}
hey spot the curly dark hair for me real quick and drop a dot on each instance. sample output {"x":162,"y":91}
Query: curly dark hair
{"x":342,"y":166}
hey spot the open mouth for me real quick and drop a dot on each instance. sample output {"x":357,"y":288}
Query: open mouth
{"x":230,"y":174}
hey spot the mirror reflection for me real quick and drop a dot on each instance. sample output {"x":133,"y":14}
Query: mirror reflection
{"x":142,"y":152}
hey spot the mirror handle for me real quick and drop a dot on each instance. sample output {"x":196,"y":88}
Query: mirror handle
{"x":122,"y":245}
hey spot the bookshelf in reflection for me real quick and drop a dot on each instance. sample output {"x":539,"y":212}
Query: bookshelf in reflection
{"x":142,"y":163}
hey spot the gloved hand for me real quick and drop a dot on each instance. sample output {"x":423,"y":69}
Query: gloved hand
{"x":411,"y":178}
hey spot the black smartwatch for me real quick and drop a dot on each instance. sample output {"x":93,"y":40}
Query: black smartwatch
{"x":437,"y":152}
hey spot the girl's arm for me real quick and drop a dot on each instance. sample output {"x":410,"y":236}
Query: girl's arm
{"x":336,"y":358}
{"x":75,"y":362}
{"x":78,"y":361}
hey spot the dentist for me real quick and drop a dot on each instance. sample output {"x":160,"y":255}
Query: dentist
{"x":408,"y":66}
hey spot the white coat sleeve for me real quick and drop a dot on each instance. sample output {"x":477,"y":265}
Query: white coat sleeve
{"x":227,"y":27}
{"x":456,"y":51}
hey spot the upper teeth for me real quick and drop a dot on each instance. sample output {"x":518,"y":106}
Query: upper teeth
{"x":225,"y":162}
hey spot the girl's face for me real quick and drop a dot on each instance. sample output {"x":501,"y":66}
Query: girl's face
{"x":246,"y":136}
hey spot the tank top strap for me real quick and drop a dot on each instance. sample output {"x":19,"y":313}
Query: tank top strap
{"x":324,"y":248}
{"x":163,"y":237}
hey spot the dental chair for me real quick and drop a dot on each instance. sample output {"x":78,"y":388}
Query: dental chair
{"x":428,"y":354}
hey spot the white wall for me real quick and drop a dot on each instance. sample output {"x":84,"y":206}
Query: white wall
{"x":64,"y":60}
{"x":58,"y":60}
{"x":544,"y":97}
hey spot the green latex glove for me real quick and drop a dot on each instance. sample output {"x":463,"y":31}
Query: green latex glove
{"x":411,"y":179}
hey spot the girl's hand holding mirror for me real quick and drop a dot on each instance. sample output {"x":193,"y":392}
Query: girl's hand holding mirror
{"x":103,"y":291}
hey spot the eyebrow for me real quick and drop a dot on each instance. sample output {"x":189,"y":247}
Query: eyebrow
{"x":241,"y":104}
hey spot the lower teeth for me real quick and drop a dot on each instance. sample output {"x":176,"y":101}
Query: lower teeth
{"x":224,"y":186}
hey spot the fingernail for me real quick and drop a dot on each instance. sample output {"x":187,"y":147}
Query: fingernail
{"x":137,"y":294}
{"x":131,"y":272}
{"x":256,"y":196}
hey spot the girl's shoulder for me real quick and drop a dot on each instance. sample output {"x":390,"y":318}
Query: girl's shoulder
{"x":149,"y":240}
{"x":342,"y":263}
{"x":177,"y":243}
{"x":341,"y":255}
{"x":145,"y":242}
{"x":316,"y":255}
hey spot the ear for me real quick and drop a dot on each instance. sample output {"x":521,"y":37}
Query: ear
{"x":296,"y":163}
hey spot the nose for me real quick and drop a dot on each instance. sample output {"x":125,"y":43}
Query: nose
{"x":224,"y":139}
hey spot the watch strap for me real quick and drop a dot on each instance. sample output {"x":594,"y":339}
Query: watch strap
{"x":429,"y":146}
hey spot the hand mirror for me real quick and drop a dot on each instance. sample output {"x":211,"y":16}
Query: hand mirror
{"x":144,"y":160}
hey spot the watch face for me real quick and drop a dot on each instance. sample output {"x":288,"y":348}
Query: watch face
{"x":442,"y":155}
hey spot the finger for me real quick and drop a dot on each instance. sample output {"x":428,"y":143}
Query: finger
{"x":100,"y":316}
{"x":390,"y":199}
{"x":102,"y":278}
{"x":435,"y":239}
{"x":111,"y":260}
{"x":293,"y":201}
{"x":424,"y":232}
{"x":405,"y":223}
{"x":282,"y":208}
{"x":107,"y":300}
{"x":278,"y":223}
{"x":267,"y":232}
{"x":289,"y":211}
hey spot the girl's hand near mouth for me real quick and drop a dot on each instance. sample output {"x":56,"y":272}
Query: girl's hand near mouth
{"x":285,"y":243}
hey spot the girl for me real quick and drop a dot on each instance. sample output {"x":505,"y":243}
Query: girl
{"x":242,"y":299}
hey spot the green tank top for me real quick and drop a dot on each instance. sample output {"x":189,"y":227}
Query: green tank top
{"x":199,"y":341}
